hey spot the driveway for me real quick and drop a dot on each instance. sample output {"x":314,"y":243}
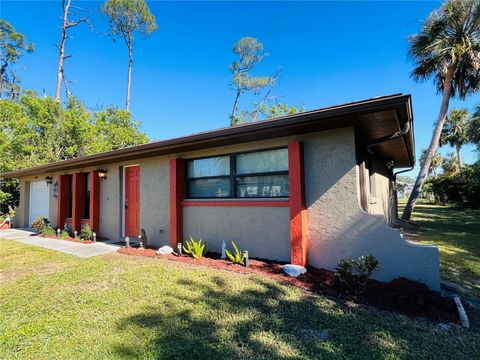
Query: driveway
{"x":68,"y":247}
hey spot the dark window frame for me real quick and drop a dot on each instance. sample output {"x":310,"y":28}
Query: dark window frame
{"x":233,"y":176}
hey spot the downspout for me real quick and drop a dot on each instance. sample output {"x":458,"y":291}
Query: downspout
{"x":395,"y":187}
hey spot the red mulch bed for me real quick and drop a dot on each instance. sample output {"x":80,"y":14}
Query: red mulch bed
{"x":66,"y":239}
{"x":401,"y":295}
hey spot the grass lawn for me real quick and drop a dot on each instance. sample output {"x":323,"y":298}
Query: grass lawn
{"x":56,"y":306}
{"x":457,"y":234}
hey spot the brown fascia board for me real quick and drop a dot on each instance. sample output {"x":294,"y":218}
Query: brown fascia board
{"x":321,"y":119}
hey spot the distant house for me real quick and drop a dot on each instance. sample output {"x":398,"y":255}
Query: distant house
{"x":310,"y":188}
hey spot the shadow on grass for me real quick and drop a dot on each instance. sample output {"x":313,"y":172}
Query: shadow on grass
{"x":457,"y":232}
{"x":212,"y":321}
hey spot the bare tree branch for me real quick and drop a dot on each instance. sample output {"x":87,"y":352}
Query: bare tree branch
{"x":273,"y":82}
{"x":67,"y":91}
{"x":68,"y":23}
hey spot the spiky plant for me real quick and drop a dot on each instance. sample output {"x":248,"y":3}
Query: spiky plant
{"x":194,"y":248}
{"x":237,"y":257}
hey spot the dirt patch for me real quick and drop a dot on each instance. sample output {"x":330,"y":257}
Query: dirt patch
{"x":98,"y":285}
{"x":138,"y":252}
{"x":401,"y":295}
{"x":65,"y":239}
{"x":11,"y":275}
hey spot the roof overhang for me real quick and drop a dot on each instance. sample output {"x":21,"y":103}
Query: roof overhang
{"x":373,"y":119}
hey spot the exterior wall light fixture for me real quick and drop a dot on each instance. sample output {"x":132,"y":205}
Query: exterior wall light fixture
{"x":49,"y":180}
{"x":102,"y":174}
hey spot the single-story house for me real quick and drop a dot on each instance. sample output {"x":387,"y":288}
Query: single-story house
{"x":310,"y":188}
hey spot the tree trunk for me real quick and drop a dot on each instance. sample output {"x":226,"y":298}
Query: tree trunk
{"x":447,"y":91}
{"x":129,"y":79}
{"x":3,"y":69}
{"x":12,"y":92}
{"x":459,"y":156}
{"x":12,"y":86}
{"x":61,"y":49}
{"x":234,"y":110}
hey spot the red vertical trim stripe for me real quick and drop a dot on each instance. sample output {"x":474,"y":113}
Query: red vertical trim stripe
{"x":62,"y":204}
{"x":94,"y":221}
{"x":177,"y":194}
{"x":298,"y":213}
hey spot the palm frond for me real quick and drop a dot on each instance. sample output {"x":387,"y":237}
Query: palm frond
{"x":450,"y":37}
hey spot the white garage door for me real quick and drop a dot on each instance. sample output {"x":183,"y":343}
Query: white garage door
{"x":38,"y":200}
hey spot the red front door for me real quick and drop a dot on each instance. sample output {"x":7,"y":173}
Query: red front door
{"x":132,"y":201}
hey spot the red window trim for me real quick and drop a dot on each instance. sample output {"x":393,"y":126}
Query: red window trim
{"x":284,"y":203}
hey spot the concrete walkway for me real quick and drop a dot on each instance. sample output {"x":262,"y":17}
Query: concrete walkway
{"x":68,"y":247}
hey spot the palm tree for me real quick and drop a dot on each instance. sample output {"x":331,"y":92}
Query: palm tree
{"x":455,"y":131}
{"x":450,"y":165}
{"x":436,"y":162}
{"x":474,"y":128}
{"x":448,"y":50}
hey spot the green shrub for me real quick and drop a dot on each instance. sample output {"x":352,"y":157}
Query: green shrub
{"x":48,"y":231}
{"x":237,"y":256}
{"x":39,"y":223}
{"x":86,"y":233}
{"x":461,"y":189}
{"x":195,"y":248}
{"x":64,"y":235}
{"x":355,"y":273}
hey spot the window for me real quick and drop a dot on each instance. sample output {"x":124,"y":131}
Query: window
{"x":209,"y":177}
{"x":86,"y":212}
{"x":262,"y":162}
{"x":262,"y":174}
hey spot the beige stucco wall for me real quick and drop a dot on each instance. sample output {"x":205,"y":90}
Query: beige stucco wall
{"x":155,"y":199}
{"x":110,"y":203}
{"x":338,"y":228}
{"x":381,"y":200}
{"x":263,"y":231}
{"x":21,"y":217}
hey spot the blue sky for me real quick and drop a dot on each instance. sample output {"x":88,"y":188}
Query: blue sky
{"x":330,"y":53}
